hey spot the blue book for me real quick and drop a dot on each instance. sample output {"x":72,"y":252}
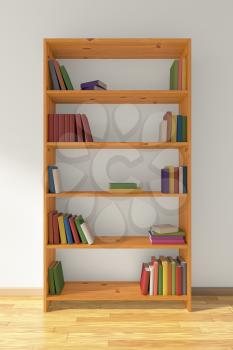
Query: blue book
{"x":185,"y":179}
{"x":164,"y":180}
{"x":53,"y":75}
{"x":179,"y":133}
{"x":51,"y":180}
{"x":69,"y":235}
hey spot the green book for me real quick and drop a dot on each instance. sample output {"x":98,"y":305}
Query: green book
{"x":173,"y":277}
{"x":51,"y":279}
{"x":174,"y":75}
{"x":179,"y":233}
{"x":160,"y":279}
{"x":58,"y":277}
{"x":184,"y":128}
{"x":123,"y":185}
{"x":78,"y":222}
{"x":66,"y":78}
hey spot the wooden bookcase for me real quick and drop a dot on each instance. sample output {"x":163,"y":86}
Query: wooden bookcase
{"x":116,"y":49}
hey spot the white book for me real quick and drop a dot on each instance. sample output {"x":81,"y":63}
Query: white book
{"x":87,"y":233}
{"x":151,"y":286}
{"x":163,"y":131}
{"x":164,"y":228}
{"x":57,"y":181}
{"x":181,"y":186}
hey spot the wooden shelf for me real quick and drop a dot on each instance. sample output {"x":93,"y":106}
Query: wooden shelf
{"x":118,"y":242}
{"x":117,"y":96}
{"x":113,"y":194}
{"x":117,"y":145}
{"x":128,"y":291}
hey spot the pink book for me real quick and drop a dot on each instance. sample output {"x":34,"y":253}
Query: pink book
{"x":74,"y":229}
{"x":56,"y":128}
{"x":72,"y":128}
{"x":180,"y":74}
{"x":155,"y":264}
{"x":51,"y":127}
{"x":61,"y":128}
{"x":86,"y":128}
{"x":67,"y":128}
{"x":79,"y":127}
{"x":168,"y":241}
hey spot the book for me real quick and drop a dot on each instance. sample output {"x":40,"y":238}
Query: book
{"x":174,"y":128}
{"x":86,"y":128}
{"x":61,"y":128}
{"x":164,"y":180}
{"x":181,"y":187}
{"x":171,"y":179}
{"x":67,"y":128}
{"x":179,"y":131}
{"x":178,"y":278}
{"x":51,"y":178}
{"x":50,"y":227}
{"x":123,"y":185}
{"x":180,"y":63}
{"x":154,"y":261}
{"x":58,"y":277}
{"x":57,"y":181}
{"x":151,"y":283}
{"x":176,"y":179}
{"x":174,"y":71}
{"x":56,"y":128}
{"x":185,"y":179}
{"x":184,"y":274}
{"x":184,"y":128}
{"x":87,"y":233}
{"x":78,"y":222}
{"x":166,"y":238}
{"x":165,"y":274}
{"x":56,"y":233}
{"x":173,"y":264}
{"x":66,"y":78}
{"x":62,"y":229}
{"x":168,"y":118}
{"x":94,"y":87}
{"x":72,"y":136}
{"x":51,"y":128}
{"x":69,"y":236}
{"x":164,"y":228}
{"x":93,"y":83}
{"x":153,"y":240}
{"x":167,"y":235}
{"x":74,"y":229}
{"x":52,"y":290}
{"x":163,"y":131}
{"x":125,"y":190}
{"x":79,"y":128}
{"x":169,"y":276}
{"x":53,"y":75}
{"x":183,"y":74}
{"x":59,"y":75}
{"x":160,"y":278}
{"x":145,"y":279}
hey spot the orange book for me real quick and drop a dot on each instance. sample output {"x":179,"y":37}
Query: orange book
{"x":156,"y":267}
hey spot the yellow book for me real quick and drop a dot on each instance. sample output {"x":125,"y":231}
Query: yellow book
{"x":184,"y":74}
{"x":165,"y":276}
{"x":171,"y":179}
{"x":62,"y":229}
{"x":174,"y":128}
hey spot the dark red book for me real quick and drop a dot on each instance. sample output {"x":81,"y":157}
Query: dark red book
{"x":56,"y":128}
{"x":51,"y":128}
{"x":72,"y":128}
{"x":86,"y":128}
{"x":67,"y":128}
{"x":176,"y":179}
{"x":56,"y":234}
{"x":145,"y":279}
{"x":59,"y":76}
{"x":50,"y":238}
{"x":74,"y":229}
{"x":79,"y":128}
{"x":178,"y":279}
{"x":61,"y":127}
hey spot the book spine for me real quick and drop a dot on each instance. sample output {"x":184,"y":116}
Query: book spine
{"x":123,"y":185}
{"x":179,"y":134}
{"x":78,"y":223}
{"x":151,"y":284}
{"x":87,"y":233}
{"x":155,"y":263}
{"x":176,"y":74}
{"x":51,"y":280}
{"x":51,"y":180}
{"x":74,"y":230}
{"x":184,"y":277}
{"x":50,"y":228}
{"x":56,"y":179}
{"x":72,"y":128}
{"x":56,"y":234}
{"x":181,"y":186}
{"x":184,"y":128}
{"x":173,"y":277}
{"x":79,"y":128}
{"x":67,"y":128}
{"x":180,"y":74}
{"x":178,"y":280}
{"x":174,"y":128}
{"x":169,"y":277}
{"x":165,"y":290}
{"x":164,"y":181}
{"x":160,"y":279}
{"x":171,"y":179}
{"x":56,"y":128}
{"x":62,"y":229}
{"x":66,"y":78}
{"x":69,"y":236}
{"x":145,"y":280}
{"x":61,"y":127}
{"x":185,"y":179}
{"x":59,"y":75}
{"x":168,"y":118}
{"x":86,"y":128}
{"x":51,"y":128}
{"x":176,"y":179}
{"x":184,"y":74}
{"x":53,"y":76}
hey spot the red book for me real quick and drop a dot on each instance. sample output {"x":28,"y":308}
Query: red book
{"x":178,"y":279}
{"x":176,"y":179}
{"x":56,"y":128}
{"x":56,"y":234}
{"x":51,"y":128}
{"x":74,"y":229}
{"x":67,"y":127}
{"x":61,"y":127}
{"x":72,"y":128}
{"x":145,"y":279}
{"x":59,"y":76}
{"x":50,"y":238}
{"x":180,"y":74}
{"x":86,"y":128}
{"x":79,"y":127}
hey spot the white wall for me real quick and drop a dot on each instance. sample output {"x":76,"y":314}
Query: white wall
{"x":23,"y":25}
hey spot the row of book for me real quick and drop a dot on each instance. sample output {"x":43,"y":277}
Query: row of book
{"x":59,"y":76}
{"x":166,"y":234}
{"x":173,"y":128}
{"x":164,"y":276}
{"x":93,"y":85}
{"x":68,"y":229}
{"x":69,"y":128}
{"x":174,"y":179}
{"x":178,"y":75}
{"x":55,"y":277}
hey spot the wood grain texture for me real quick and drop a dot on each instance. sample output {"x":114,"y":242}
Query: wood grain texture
{"x":116,"y":325}
{"x":117,"y":145}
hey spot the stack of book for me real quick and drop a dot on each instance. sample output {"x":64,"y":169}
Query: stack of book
{"x":54,"y":179}
{"x":68,"y":229}
{"x":166,"y":234}
{"x":93,"y":85}
{"x":56,"y":278}
{"x":173,"y":128}
{"x":174,"y":179}
{"x":59,"y":76}
{"x":126,"y":187}
{"x":164,"y":276}
{"x":178,"y":75}
{"x":69,"y":128}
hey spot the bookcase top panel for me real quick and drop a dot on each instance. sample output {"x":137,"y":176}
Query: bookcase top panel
{"x":89,"y":48}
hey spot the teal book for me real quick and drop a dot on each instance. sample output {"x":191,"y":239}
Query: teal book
{"x":78,"y":222}
{"x":69,"y":236}
{"x":174,"y":75}
{"x":123,"y":185}
{"x":184,"y":129}
{"x":179,"y":124}
{"x":66,"y":78}
{"x":160,"y":279}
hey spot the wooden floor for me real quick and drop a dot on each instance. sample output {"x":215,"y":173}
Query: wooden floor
{"x":116,"y":325}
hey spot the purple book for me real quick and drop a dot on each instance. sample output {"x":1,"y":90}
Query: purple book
{"x":93,"y":83}
{"x":164,"y":180}
{"x":94,"y":87}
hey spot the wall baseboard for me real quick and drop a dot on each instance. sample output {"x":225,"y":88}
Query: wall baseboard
{"x":196,"y":291}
